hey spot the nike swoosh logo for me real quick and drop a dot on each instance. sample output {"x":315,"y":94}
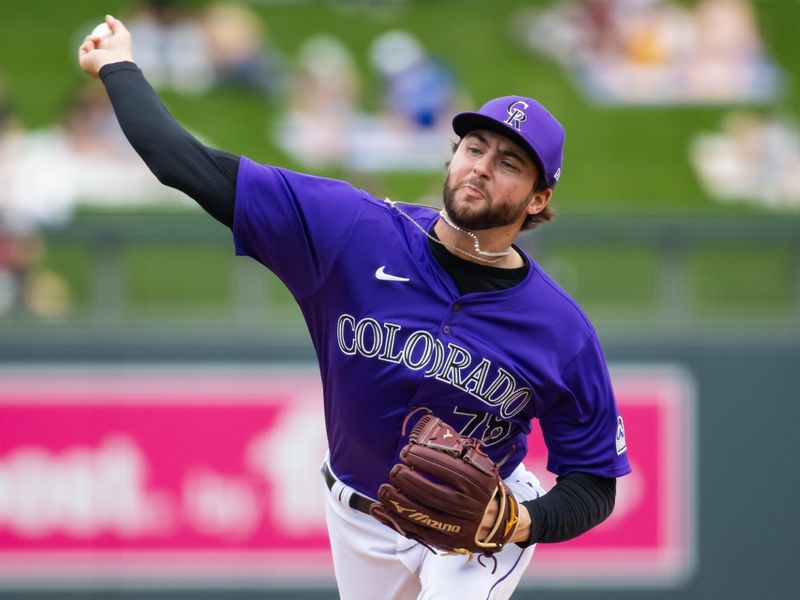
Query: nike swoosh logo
{"x":384,"y":276}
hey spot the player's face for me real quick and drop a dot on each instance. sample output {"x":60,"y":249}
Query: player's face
{"x":489,"y":182}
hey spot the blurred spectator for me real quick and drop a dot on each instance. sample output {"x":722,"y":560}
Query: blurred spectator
{"x":13,"y":259}
{"x":21,"y":252}
{"x":86,"y":160}
{"x":171,"y":46}
{"x":755,"y":158}
{"x":239,"y":50}
{"x":44,"y":175}
{"x":322,"y":103}
{"x":419,"y":96}
{"x":418,"y":89}
{"x":90,"y":126}
{"x":655,"y":51}
{"x":10,"y":133}
{"x":324,"y":126}
{"x":21,"y":246}
{"x":727,"y":46}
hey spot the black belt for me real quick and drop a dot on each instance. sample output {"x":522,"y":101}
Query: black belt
{"x":357,"y":501}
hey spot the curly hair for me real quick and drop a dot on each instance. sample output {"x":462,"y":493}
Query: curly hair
{"x":547,"y":214}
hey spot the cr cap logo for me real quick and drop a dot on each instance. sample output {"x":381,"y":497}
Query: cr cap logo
{"x":516,"y":114}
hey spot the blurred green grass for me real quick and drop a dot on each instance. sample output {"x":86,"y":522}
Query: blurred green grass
{"x":728,"y":282}
{"x":630,"y":287}
{"x":618,"y":160}
{"x":165,"y":275}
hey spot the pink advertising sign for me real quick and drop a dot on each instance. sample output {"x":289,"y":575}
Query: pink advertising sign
{"x":171,"y":474}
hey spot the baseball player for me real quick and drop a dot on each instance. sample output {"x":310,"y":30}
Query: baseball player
{"x":411,"y":311}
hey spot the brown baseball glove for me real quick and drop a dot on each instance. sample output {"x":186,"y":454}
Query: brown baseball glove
{"x":441,"y":491}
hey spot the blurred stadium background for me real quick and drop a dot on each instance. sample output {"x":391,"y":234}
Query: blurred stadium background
{"x":679,"y":226}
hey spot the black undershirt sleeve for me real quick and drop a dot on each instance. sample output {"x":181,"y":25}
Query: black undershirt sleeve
{"x":174,"y":156}
{"x":577,"y":502}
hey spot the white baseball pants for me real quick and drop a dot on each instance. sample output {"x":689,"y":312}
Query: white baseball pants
{"x":373,"y":562}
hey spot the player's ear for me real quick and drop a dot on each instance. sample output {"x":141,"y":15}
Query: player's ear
{"x":539,"y":201}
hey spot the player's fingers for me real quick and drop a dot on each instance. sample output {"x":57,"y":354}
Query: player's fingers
{"x":93,"y":41}
{"x":489,"y":519}
{"x":114,"y":24}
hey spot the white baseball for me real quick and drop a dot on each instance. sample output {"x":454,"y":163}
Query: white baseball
{"x":102,"y":30}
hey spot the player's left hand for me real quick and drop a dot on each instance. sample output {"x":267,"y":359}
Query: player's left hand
{"x":447,"y":493}
{"x":96,"y":52}
{"x":522,"y":532}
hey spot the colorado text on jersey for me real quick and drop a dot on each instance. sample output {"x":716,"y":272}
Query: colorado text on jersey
{"x":450,"y":364}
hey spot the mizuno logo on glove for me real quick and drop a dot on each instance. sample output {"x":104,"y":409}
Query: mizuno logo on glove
{"x":425,"y":519}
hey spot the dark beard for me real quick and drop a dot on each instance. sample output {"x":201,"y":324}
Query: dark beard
{"x":483,"y":219}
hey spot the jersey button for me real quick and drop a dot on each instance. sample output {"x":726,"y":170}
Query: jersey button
{"x":456,"y":307}
{"x":446,"y":328}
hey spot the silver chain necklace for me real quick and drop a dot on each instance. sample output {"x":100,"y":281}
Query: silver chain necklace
{"x":479,"y":254}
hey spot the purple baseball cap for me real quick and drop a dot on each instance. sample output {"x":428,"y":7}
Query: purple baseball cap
{"x":527,"y":123}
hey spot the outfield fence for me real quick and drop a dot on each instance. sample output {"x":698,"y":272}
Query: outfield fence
{"x":655,"y":274}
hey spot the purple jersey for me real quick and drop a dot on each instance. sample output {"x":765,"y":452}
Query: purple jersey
{"x":392,"y":332}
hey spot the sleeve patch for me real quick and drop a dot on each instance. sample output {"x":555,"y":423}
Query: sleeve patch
{"x":621,"y":444}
